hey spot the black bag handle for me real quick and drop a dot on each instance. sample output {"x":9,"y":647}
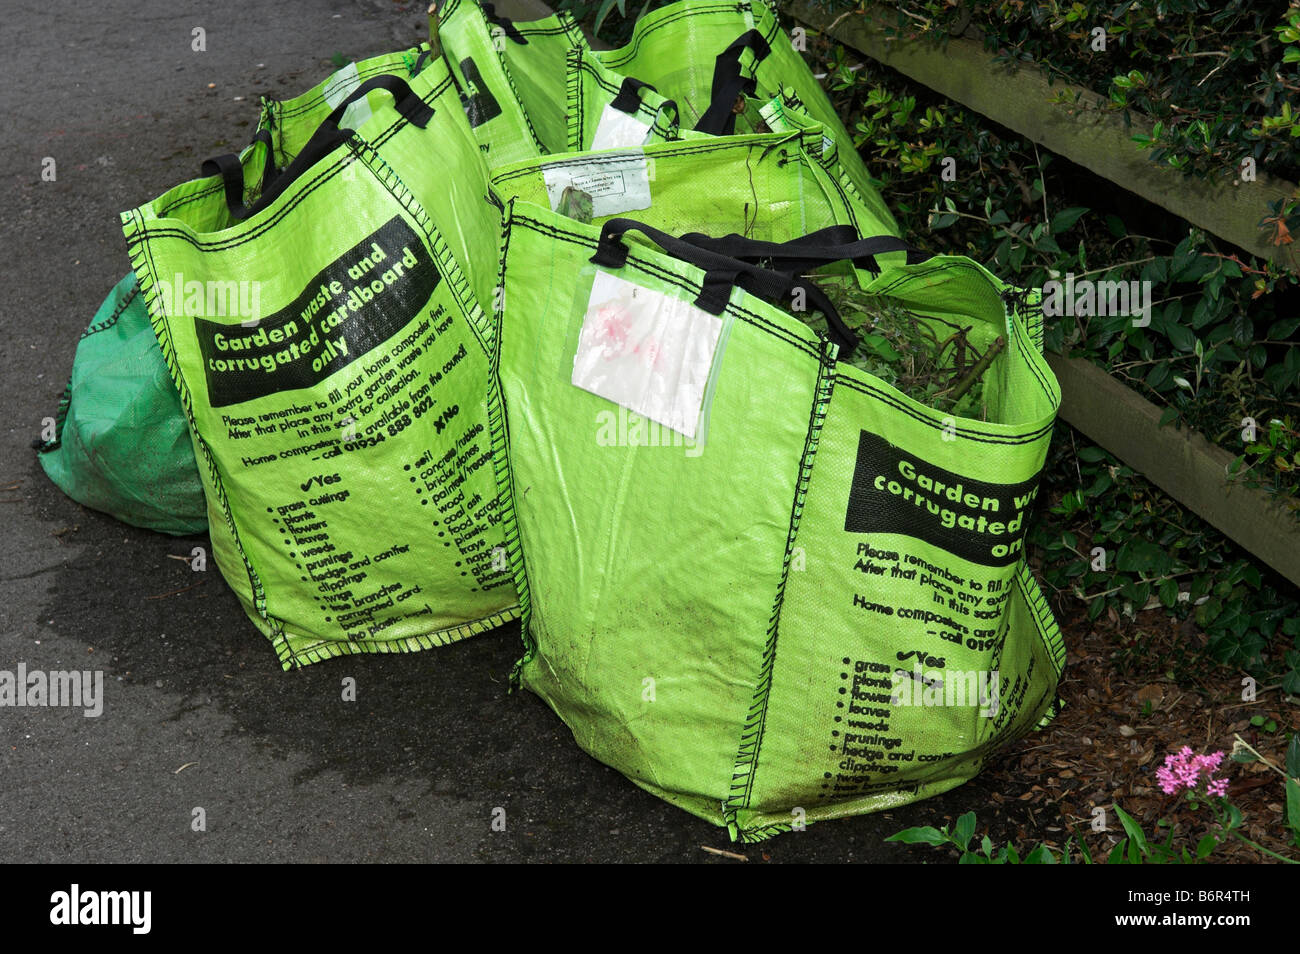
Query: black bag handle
{"x":505,"y":23}
{"x":270,"y":172}
{"x":721,"y":273}
{"x":628,"y":99}
{"x":231,"y":170}
{"x":729,"y":83}
{"x":323,"y":141}
{"x":834,"y":243}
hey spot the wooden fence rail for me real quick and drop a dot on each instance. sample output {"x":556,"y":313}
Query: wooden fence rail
{"x":1184,"y":465}
{"x":1096,"y":139}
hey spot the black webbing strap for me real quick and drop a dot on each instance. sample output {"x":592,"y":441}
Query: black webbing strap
{"x":835,"y":243}
{"x":505,"y":23}
{"x":628,"y":99}
{"x":729,"y":84}
{"x":324,"y":140}
{"x":722,"y":273}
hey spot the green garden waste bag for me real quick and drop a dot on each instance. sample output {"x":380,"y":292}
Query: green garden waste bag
{"x":501,"y":123}
{"x":786,"y":112}
{"x":774,"y":186}
{"x":704,"y":54}
{"x":121,"y":444}
{"x":290,"y":123}
{"x":607,"y":110}
{"x":471,"y":231}
{"x":535,"y":55}
{"x":333,"y":365}
{"x":565,"y":97}
{"x":757,"y":580}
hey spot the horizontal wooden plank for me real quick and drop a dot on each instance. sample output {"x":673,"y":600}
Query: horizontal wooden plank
{"x":1097,"y":140}
{"x":1181,"y":463}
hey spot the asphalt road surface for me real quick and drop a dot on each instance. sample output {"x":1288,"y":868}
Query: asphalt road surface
{"x":197,"y":713}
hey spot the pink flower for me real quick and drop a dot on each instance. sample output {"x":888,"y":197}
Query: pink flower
{"x":1187,"y":770}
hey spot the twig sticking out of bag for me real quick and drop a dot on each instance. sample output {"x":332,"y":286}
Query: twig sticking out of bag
{"x":900,"y":347}
{"x":977,"y":369}
{"x":437,"y":49}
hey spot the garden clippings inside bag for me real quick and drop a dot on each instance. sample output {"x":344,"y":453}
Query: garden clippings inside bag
{"x":929,"y":359}
{"x":576,"y":204}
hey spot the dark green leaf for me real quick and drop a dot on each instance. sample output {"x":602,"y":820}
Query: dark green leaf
{"x":1132,"y":829}
{"x":603,"y":12}
{"x":920,"y":836}
{"x":1096,"y":607}
{"x":1243,"y":329}
{"x":1144,"y":557}
{"x":1181,"y":337}
{"x":1208,"y":611}
{"x":1283,"y":328}
{"x":1042,"y":855}
{"x":964,"y":829}
{"x":1062,"y":221}
{"x":1293,"y":804}
{"x":1157,"y":376}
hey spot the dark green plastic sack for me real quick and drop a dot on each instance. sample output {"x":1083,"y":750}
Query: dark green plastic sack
{"x":746,"y":566}
{"x":121,"y":444}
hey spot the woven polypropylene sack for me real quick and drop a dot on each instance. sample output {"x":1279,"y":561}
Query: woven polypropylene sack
{"x":768,"y":186}
{"x":723,"y":606}
{"x":786,"y":112}
{"x":566,"y":96}
{"x":607,"y":110}
{"x":339,"y":413}
{"x":493,"y":100}
{"x":291,"y":123}
{"x":676,"y":48}
{"x":535,"y":53}
{"x":121,"y":444}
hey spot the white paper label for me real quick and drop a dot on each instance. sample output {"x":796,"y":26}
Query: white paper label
{"x":619,"y":130}
{"x":615,"y":186}
{"x":339,"y":86}
{"x":646,"y":351}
